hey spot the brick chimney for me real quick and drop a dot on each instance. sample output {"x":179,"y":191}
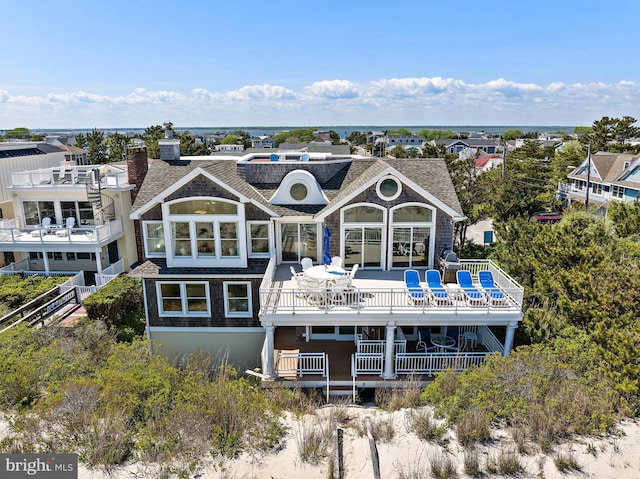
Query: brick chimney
{"x":169,"y":148}
{"x":137,"y":166}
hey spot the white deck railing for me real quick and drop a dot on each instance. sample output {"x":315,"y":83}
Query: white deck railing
{"x":360,"y":300}
{"x":364,"y":299}
{"x":60,"y":236}
{"x":367,"y":363}
{"x":68,"y":175}
{"x":379,"y":346}
{"x":290,"y":364}
{"x":429,"y":363}
{"x":489,"y":340}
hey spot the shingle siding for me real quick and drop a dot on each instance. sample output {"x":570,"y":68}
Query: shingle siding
{"x":201,"y":186}
{"x":216,"y":294}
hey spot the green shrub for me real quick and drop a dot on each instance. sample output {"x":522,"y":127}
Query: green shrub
{"x":16,"y":292}
{"x":115,"y":301}
{"x":552,"y":393}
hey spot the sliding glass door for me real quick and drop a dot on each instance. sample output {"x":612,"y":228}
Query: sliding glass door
{"x":298,"y":240}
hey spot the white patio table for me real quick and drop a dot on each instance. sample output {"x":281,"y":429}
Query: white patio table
{"x":443,"y":341}
{"x":325,"y":274}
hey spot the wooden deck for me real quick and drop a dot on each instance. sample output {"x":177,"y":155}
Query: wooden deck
{"x":339,"y":355}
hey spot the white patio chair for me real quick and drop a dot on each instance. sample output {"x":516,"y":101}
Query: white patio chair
{"x":295,"y":274}
{"x":45,"y":225}
{"x":336,"y":261}
{"x":352,"y":273}
{"x":306,"y":263}
{"x":66,"y":231}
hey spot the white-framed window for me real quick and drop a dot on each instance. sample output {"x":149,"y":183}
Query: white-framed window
{"x":205,"y":231}
{"x":364,"y":227}
{"x":153,"y":232}
{"x":259,"y":238}
{"x":35,"y":211}
{"x":617,"y":191}
{"x":388,"y":188}
{"x":186,"y":298}
{"x":237,"y":299}
{"x":412,"y":238}
{"x":596,"y":188}
{"x":82,"y":211}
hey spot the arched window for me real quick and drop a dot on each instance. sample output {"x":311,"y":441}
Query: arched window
{"x":205,"y":229}
{"x":363,"y":227}
{"x":412,"y":235}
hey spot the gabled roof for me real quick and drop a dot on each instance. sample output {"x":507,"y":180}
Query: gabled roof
{"x":482,"y":162}
{"x":427,"y":176}
{"x":166,"y":176}
{"x":607,"y":167}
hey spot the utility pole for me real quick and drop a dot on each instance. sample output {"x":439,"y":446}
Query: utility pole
{"x":586,"y":201}
{"x":504,"y":154}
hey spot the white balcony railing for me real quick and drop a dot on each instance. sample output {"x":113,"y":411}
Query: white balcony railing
{"x":69,"y":176}
{"x":429,"y":363}
{"x":60,"y":236}
{"x":369,"y":300}
{"x":291,"y":365}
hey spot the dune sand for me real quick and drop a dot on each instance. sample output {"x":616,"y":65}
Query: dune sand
{"x":615,"y":456}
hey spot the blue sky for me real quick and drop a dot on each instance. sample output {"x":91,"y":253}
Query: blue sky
{"x":300,"y":63}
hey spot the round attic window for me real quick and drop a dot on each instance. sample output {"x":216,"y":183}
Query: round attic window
{"x":388,"y":188}
{"x":298,"y":191}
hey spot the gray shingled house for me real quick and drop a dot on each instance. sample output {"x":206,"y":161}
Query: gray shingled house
{"x":222,"y":242}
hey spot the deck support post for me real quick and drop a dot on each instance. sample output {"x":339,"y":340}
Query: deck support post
{"x":508,"y":339}
{"x":270,"y":342}
{"x":98,"y":261}
{"x":45,"y":260}
{"x":389,"y":372}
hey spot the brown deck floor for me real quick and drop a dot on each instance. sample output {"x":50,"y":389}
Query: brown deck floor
{"x":338,"y":352}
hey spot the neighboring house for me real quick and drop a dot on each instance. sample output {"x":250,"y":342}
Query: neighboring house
{"x":262,"y":142}
{"x":19,"y":156}
{"x":229,"y":148}
{"x":74,"y":218}
{"x":488,"y":162}
{"x":73,"y":153}
{"x":219,"y":239}
{"x":482,"y":146}
{"x":404,"y":140}
{"x":613,"y":177}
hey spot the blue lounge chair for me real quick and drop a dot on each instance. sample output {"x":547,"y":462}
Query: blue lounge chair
{"x":495,"y":296}
{"x":472,"y":295}
{"x":437,"y":292}
{"x":415,"y":291}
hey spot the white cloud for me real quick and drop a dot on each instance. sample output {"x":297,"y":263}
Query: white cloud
{"x":334,"y":89}
{"x":409,"y":87}
{"x":261,"y":92}
{"x":392,"y":101}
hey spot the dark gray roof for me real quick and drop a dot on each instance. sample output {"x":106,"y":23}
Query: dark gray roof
{"x":430,"y":174}
{"x":13,"y":150}
{"x":158,"y":267}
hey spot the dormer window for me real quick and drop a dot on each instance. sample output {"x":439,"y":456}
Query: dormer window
{"x":298,"y":191}
{"x":299,"y":187}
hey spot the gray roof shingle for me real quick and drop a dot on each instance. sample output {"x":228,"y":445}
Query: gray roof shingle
{"x":431,"y":174}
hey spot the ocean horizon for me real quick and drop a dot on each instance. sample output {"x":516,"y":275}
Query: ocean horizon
{"x":342,"y":130}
